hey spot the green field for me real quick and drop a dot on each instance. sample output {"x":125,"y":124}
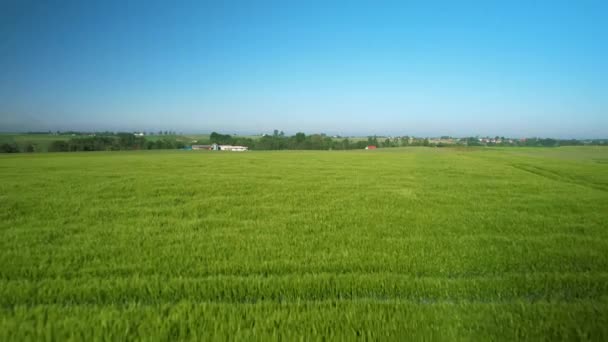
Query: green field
{"x":450,"y":244}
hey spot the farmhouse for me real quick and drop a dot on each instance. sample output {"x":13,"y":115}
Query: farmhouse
{"x":201,"y":147}
{"x":370,"y":147}
{"x":234,"y":148}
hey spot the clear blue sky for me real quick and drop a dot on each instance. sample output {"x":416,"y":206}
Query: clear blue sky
{"x":516,"y":68}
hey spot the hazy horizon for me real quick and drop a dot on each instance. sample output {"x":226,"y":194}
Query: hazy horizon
{"x":351,"y":68}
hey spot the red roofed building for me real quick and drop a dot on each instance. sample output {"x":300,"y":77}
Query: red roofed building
{"x":370,"y":147}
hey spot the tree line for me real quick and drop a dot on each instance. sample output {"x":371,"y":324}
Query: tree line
{"x":300,"y":141}
{"x":118,"y":142}
{"x":109,"y":141}
{"x":531,"y":142}
{"x":97,"y":142}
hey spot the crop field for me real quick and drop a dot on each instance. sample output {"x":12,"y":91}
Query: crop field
{"x":391,"y":244}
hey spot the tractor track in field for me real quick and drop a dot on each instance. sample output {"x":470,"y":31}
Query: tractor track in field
{"x":556,"y":176}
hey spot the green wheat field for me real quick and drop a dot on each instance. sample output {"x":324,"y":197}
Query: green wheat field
{"x":403,"y":243}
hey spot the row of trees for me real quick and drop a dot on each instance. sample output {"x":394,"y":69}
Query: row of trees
{"x":14,"y":148}
{"x":299,"y":141}
{"x":95,"y":133}
{"x":98,"y":142}
{"x":109,"y":141}
{"x":120,"y":141}
{"x":531,"y":142}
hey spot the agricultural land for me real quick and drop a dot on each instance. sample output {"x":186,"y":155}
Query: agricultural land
{"x":436,"y":243}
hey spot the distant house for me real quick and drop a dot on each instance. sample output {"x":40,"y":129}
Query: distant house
{"x":217,"y":147}
{"x":370,"y":147}
{"x":202,"y":147}
{"x":138,"y":134}
{"x":233,"y":148}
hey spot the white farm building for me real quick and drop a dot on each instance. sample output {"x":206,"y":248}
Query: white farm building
{"x":234,"y":148}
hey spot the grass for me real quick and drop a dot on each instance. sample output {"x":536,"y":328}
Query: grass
{"x":457,"y":244}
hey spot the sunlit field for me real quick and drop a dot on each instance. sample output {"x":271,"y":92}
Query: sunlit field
{"x":446,"y":243}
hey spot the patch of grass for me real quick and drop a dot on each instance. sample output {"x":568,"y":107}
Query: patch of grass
{"x":465,"y":244}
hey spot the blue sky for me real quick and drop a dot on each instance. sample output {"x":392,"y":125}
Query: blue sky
{"x":513,"y":68}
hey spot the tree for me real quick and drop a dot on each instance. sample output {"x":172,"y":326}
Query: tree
{"x":548,"y":142}
{"x":218,"y":138}
{"x":9,"y":148}
{"x":300,"y":137}
{"x":345,"y":144}
{"x":472,"y":141}
{"x":59,"y":146}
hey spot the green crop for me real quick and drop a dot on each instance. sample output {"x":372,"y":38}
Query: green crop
{"x":397,"y":244}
